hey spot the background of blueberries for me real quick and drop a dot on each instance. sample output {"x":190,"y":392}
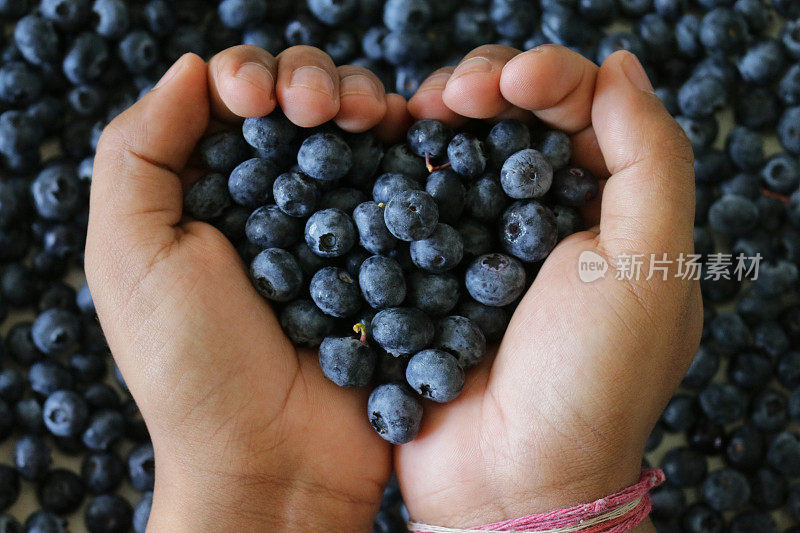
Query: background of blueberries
{"x":729,"y":70}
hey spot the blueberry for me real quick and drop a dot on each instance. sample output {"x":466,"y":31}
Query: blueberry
{"x":429,"y":138}
{"x":528,"y":231}
{"x":305,"y":324}
{"x":757,"y":108}
{"x":726,"y":490}
{"x":701,"y":131}
{"x":781,"y":173}
{"x":37,"y":40}
{"x":753,"y":521}
{"x":141,"y":513}
{"x":111,"y":18}
{"x":141,"y":467}
{"x":346,"y":361}
{"x":768,"y":490}
{"x":208,"y":197}
{"x":574,"y":186}
{"x":733,"y":215}
{"x":28,"y":413}
{"x":45,"y":522}
{"x":495,"y":279}
{"x":86,"y":58}
{"x":745,"y":148}
{"x":402,"y":330}
{"x":65,"y":413}
{"x":330,"y":233}
{"x":506,"y":138}
{"x":476,"y":237}
{"x":67,"y":14}
{"x":269,"y":37}
{"x":60,"y":491}
{"x":269,"y":227}
{"x":667,"y":501}
{"x":790,"y":37}
{"x":399,"y":159}
{"x":441,"y":251}
{"x":9,"y":487}
{"x":388,"y":185}
{"x":394,"y":413}
{"x":32,"y":457}
{"x":367,"y":156}
{"x":335,"y":292}
{"x":684,"y":467}
{"x":325,"y":156}
{"x":462,"y":338}
{"x":703,"y":367}
{"x":273,"y":136}
{"x":789,"y":135}
{"x":251,"y":182}
{"x":372,"y":231}
{"x":723,"y":30}
{"x":435,"y":375}
{"x":102,"y":472}
{"x":241,"y":13}
{"x":762,"y":63}
{"x":749,"y":371}
{"x":435,"y":294}
{"x":303,"y":30}
{"x":783,"y":454}
{"x":382,"y":282}
{"x":701,"y":96}
{"x":403,"y":15}
{"x":467,"y":155}
{"x":526,"y":174}
{"x":55,"y":331}
{"x":722,"y":403}
{"x":699,"y":518}
{"x":104,"y":428}
{"x":296,"y":194}
{"x":411,"y":215}
{"x":108,"y":513}
{"x":680,"y":413}
{"x":12,"y":384}
{"x":276,"y":275}
{"x":446,"y":188}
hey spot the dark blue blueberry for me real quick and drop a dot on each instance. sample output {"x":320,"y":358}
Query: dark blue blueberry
{"x":722,"y":403}
{"x":273,"y":136}
{"x":382,"y":282}
{"x":250,"y":183}
{"x":325,"y":156}
{"x":788,"y":369}
{"x":684,"y":467}
{"x":333,"y":12}
{"x":36,"y":39}
{"x":9,"y":487}
{"x":208,"y":197}
{"x":19,"y":133}
{"x":526,"y":174}
{"x":60,"y":491}
{"x":335,"y":292}
{"x":141,"y":513}
{"x":733,"y":215}
{"x":28,"y":413}
{"x":330,"y":233}
{"x":104,"y":428}
{"x":295,"y":193}
{"x":513,"y":19}
{"x":402,"y":330}
{"x":669,"y":97}
{"x":776,"y":279}
{"x":783,"y":454}
{"x":269,"y":37}
{"x":12,"y":384}
{"x":748,"y":521}
{"x":346,"y":361}
{"x":276,"y":275}
{"x":67,"y":14}
{"x":108,"y":513}
{"x":781,"y":173}
{"x":86,"y":100}
{"x":620,"y":41}
{"x":476,"y":237}
{"x":745,"y":148}
{"x":467,"y":155}
{"x":771,"y":338}
{"x":462,"y":338}
{"x":435,"y":294}
{"x":446,"y":188}
{"x":340,"y":45}
{"x":411,"y":215}
{"x":506,"y":138}
{"x":703,"y":367}
{"x":111,"y":18}
{"x":699,"y":518}
{"x":138,"y":51}
{"x":436,"y":375}
{"x":269,"y":227}
{"x":441,"y":251}
{"x":723,"y":30}
{"x":701,"y":131}
{"x":769,"y":410}
{"x":749,"y":370}
{"x":240,"y":13}
{"x":142,"y":467}
{"x":757,"y":108}
{"x":556,"y":146}
{"x":680,"y":413}
{"x":687,"y":35}
{"x":428,"y":138}
{"x":65,"y":413}
{"x":495,"y":279}
{"x":224,"y":151}
{"x":404,"y":15}
{"x":568,"y":221}
{"x":789,"y":132}
{"x":55,"y":331}
{"x":102,"y":472}
{"x":701,"y":96}
{"x":86,"y":59}
{"x":726,"y":490}
{"x":374,"y":236}
{"x":101,"y":395}
{"x":305,"y":324}
{"x":45,"y":522}
{"x":491,"y":320}
{"x":790,"y":37}
{"x":574,"y":186}
{"x":472,"y":27}
{"x":32,"y":457}
{"x":528,"y":230}
{"x":399,"y":159}
{"x":344,"y":199}
{"x":756,"y":13}
{"x":20,"y":287}
{"x":390,"y":184}
{"x":395,"y":413}
{"x":367,"y":156}
{"x":667,"y":501}
{"x":762,"y":63}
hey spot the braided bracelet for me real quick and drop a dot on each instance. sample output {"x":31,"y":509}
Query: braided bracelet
{"x":617,"y":513}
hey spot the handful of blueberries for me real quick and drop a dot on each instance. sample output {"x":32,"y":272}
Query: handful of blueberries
{"x":399,"y":263}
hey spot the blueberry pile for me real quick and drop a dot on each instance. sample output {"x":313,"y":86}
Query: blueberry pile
{"x":67,"y":67}
{"x":398,"y":262}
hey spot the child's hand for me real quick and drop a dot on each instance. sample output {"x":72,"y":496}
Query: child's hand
{"x":248,"y":434}
{"x":561,"y":415}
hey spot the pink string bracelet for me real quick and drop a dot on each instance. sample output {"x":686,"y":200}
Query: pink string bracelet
{"x":617,"y":513}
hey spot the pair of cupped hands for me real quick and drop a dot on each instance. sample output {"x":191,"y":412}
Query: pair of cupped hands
{"x":248,"y":433}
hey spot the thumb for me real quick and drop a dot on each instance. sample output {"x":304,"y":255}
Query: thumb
{"x":648,"y":202}
{"x":136,"y":197}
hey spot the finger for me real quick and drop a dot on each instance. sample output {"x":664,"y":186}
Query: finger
{"x":242,"y":83}
{"x":136,"y":197}
{"x":473,"y":89}
{"x":308,"y":86}
{"x":586,"y":153}
{"x":555,"y":83}
{"x":427,"y":101}
{"x":362,"y":99}
{"x":648,"y":202}
{"x":395,"y":121}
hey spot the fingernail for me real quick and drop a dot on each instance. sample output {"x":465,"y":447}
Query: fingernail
{"x":170,"y":73}
{"x":313,"y":78}
{"x":358,"y":84}
{"x":257,"y":74}
{"x":636,"y":74}
{"x":473,"y":65}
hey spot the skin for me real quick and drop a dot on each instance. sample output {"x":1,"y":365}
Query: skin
{"x":249,"y":434}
